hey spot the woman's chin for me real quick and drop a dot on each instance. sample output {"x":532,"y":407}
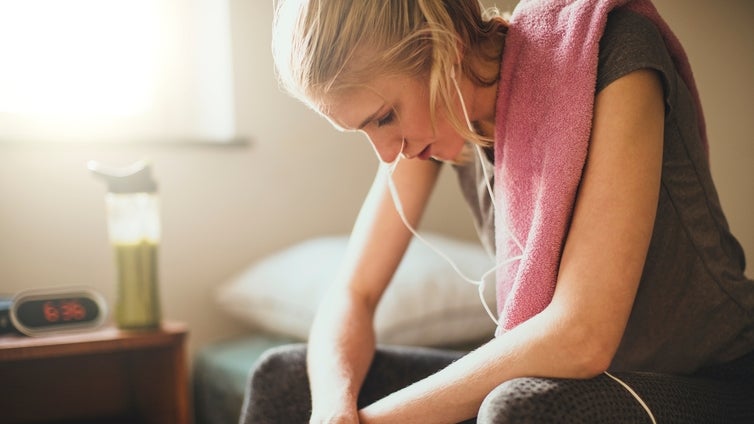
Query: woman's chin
{"x":462,"y":156}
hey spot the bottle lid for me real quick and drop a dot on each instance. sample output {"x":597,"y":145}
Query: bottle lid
{"x":135,"y":178}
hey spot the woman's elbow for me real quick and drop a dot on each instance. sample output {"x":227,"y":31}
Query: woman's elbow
{"x":590,"y":350}
{"x":596,"y":363}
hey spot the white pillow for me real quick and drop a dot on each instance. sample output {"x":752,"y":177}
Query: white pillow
{"x":426,"y":304}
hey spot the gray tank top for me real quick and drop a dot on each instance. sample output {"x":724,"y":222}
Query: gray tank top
{"x":694,"y":307}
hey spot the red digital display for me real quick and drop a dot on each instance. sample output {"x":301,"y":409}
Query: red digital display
{"x":64,"y":310}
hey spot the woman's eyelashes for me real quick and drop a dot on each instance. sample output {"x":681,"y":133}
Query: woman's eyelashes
{"x":386,"y":118}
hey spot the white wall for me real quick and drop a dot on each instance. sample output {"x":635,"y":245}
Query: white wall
{"x":224,"y":207}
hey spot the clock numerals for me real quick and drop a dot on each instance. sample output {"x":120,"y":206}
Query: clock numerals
{"x":51,"y":312}
{"x":65,"y":310}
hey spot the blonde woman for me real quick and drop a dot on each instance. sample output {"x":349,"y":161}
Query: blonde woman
{"x":651,"y":316}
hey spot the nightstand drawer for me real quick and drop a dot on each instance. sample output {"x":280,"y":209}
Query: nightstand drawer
{"x":99,"y":376}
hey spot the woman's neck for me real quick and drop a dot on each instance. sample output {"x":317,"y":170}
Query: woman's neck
{"x":485,"y":96}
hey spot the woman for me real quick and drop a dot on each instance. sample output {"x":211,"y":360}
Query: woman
{"x":648,"y":276}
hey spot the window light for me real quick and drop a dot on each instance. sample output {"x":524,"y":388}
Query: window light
{"x":131,"y":70}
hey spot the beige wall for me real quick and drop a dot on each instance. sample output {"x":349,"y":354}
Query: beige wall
{"x":224,"y":207}
{"x":719,"y":40}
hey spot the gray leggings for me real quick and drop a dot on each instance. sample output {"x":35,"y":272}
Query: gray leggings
{"x":278,"y":392}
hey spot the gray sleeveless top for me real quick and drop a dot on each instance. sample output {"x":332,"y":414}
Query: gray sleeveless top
{"x":694,"y":307}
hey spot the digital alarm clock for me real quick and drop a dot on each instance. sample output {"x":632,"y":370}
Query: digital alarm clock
{"x":50,"y":311}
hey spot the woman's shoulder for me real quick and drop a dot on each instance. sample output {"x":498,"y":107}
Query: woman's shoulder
{"x":631,"y":42}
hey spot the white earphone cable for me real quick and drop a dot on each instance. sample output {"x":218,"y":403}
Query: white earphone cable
{"x":482,"y":160}
{"x":635,"y":395}
{"x":481,"y":282}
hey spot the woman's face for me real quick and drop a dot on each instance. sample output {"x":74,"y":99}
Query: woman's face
{"x":392,"y":110}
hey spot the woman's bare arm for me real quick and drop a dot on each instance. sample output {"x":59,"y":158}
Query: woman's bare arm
{"x":342,"y":339}
{"x":577,"y":335}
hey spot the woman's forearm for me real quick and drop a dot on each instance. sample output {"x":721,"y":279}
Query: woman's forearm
{"x":543,"y":346}
{"x":341,"y":347}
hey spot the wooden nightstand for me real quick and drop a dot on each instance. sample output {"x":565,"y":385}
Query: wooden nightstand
{"x":102,"y":376}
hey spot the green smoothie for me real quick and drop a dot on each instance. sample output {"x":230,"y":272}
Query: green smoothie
{"x":137,"y":304}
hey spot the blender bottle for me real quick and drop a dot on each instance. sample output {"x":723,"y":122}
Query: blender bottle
{"x":133,"y":223}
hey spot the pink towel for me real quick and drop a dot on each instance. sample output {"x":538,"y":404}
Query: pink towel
{"x":544,"y":116}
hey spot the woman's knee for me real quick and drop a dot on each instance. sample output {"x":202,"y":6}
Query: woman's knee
{"x":279,"y":367}
{"x":545,"y":400}
{"x":278,"y":389}
{"x":513,"y":401}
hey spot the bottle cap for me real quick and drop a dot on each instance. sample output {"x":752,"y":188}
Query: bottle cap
{"x":135,"y":178}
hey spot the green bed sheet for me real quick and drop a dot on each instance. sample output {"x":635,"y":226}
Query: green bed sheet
{"x":220,"y":374}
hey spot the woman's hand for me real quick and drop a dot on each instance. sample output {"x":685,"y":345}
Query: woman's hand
{"x":337,"y":415}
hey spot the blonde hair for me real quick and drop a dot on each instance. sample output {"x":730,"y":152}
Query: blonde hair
{"x":321,"y":47}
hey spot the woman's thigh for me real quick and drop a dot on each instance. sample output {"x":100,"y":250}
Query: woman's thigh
{"x":278,"y":389}
{"x":670,"y":398}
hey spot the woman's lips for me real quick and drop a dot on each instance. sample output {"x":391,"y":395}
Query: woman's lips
{"x":425,"y":154}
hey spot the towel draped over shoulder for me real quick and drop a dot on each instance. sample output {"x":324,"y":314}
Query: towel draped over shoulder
{"x":544,"y":115}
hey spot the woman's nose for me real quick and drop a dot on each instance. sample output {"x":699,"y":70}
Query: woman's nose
{"x":387,"y":149}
